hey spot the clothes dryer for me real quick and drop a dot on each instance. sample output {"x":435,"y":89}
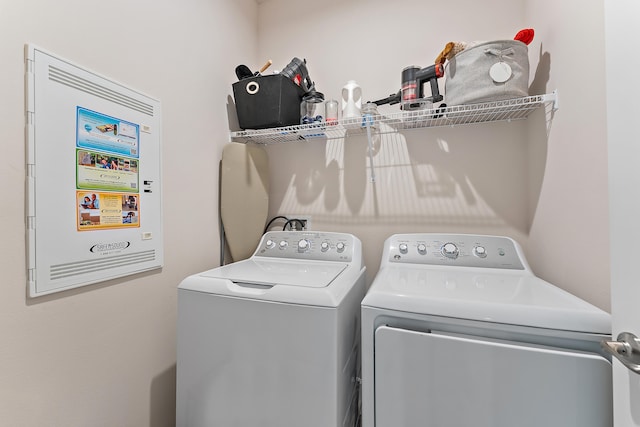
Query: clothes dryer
{"x":457,"y":331}
{"x":273,"y":341}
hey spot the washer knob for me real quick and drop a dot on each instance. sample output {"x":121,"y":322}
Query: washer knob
{"x":303,"y":245}
{"x":340,"y":247}
{"x":480,"y":251}
{"x":270,"y":244}
{"x":450,"y":250}
{"x":422,"y":249}
{"x":283,"y":244}
{"x":324,"y":246}
{"x":403,"y":248}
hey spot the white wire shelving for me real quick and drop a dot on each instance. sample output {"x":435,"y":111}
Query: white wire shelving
{"x":496,"y":111}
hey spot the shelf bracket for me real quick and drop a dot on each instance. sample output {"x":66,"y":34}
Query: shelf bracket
{"x":552,"y":97}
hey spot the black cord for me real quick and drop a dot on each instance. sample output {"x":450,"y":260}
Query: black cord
{"x":272,"y":220}
{"x":291,"y":221}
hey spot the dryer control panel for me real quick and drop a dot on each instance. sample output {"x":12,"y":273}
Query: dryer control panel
{"x":463,"y":250}
{"x":321,"y":246}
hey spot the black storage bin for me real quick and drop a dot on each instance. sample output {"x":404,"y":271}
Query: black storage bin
{"x":267,"y":101}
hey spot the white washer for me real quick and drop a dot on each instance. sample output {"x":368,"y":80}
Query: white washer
{"x":273,"y":341}
{"x":457,"y":331}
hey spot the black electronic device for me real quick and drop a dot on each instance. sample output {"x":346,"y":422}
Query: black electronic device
{"x":412,"y":92}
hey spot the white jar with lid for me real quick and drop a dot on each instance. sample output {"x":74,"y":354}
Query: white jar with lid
{"x":351,"y":100}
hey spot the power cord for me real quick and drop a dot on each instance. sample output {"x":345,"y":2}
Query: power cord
{"x":273,"y":220}
{"x":291,"y":223}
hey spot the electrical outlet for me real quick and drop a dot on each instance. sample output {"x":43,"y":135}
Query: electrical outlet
{"x":306,"y":219}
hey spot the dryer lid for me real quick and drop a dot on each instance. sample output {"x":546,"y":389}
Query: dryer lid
{"x":487,"y":295}
{"x":281,"y":272}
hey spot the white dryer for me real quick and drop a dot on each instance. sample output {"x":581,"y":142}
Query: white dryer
{"x":457,"y":331}
{"x":273,"y":341}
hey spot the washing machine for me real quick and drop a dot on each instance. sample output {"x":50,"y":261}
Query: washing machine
{"x":273,"y":340}
{"x":457,"y":331}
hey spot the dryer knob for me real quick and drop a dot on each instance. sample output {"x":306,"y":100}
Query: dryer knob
{"x":340,"y":247}
{"x":324,"y":246}
{"x":403,"y":248}
{"x":450,"y":250}
{"x":422,"y":249}
{"x":283,"y":244}
{"x":303,"y":245}
{"x":270,"y":244}
{"x":480,"y":251}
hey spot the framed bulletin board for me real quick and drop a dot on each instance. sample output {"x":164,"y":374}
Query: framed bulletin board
{"x":94,"y":199}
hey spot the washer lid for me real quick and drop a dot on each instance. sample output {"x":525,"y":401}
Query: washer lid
{"x":302,"y":282}
{"x":487,"y":295}
{"x":281,"y":272}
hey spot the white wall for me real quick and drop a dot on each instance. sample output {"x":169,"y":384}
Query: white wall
{"x":104,"y":355}
{"x":544,"y":187}
{"x":569,"y":239}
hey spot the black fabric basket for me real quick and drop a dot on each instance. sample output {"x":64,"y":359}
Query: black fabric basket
{"x":267,"y":101}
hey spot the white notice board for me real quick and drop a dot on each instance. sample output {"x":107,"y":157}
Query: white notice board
{"x":94,"y":202}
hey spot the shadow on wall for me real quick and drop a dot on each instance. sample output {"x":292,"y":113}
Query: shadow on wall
{"x":540,"y":80}
{"x":538,"y":130}
{"x":484,"y":175}
{"x":466,"y":176}
{"x":232,"y":115}
{"x":478,"y":176}
{"x":163,"y":399}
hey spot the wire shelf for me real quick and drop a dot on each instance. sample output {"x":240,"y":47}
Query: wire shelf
{"x":506,"y":110}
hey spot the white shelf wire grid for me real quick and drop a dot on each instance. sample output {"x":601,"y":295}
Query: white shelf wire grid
{"x":495,"y":111}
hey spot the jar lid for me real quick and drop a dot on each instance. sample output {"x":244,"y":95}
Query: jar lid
{"x":313,"y":96}
{"x":370,"y":108}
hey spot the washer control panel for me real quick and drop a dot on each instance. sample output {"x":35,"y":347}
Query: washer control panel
{"x":322,"y":246}
{"x":463,"y":250}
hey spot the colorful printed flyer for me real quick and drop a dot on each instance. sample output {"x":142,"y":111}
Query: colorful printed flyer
{"x":97,"y":131}
{"x":98,"y":210}
{"x":100,"y":171}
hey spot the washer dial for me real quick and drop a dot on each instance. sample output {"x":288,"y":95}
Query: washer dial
{"x":303,"y":245}
{"x":450,"y":250}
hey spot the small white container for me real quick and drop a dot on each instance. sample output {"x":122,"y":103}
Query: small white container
{"x":351,"y":100}
{"x":331,"y":109}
